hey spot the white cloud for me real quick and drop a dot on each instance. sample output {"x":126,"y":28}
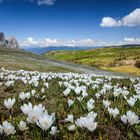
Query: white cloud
{"x":109,"y":22}
{"x":45,"y":2}
{"x":39,"y":2}
{"x":31,"y":42}
{"x":83,"y":42}
{"x":132,"y":40}
{"x":133,"y":19}
{"x":50,"y":42}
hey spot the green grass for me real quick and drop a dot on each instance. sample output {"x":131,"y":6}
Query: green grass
{"x":102,"y":57}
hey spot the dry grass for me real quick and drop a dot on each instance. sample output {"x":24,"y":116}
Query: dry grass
{"x":125,"y":69}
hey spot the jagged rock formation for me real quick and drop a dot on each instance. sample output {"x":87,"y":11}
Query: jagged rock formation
{"x":2,"y":39}
{"x":10,"y":43}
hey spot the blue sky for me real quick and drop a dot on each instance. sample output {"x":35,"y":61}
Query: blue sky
{"x":71,"y":22}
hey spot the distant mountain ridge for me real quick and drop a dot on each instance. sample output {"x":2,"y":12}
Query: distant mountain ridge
{"x":39,"y":50}
{"x":127,"y":45}
{"x":42,"y":50}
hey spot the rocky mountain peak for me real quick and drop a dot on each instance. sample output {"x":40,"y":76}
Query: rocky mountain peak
{"x":11,"y":42}
{"x":2,"y":38}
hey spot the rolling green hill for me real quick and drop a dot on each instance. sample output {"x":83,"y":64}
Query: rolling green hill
{"x":14,"y":59}
{"x":120,"y":59}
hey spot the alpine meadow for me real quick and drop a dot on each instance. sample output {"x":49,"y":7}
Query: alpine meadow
{"x":70,"y":70}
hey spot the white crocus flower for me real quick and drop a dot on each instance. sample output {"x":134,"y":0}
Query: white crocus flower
{"x":72,"y":127}
{"x":106,"y":103}
{"x":117,"y":91}
{"x":26,"y":108}
{"x":70,"y":102}
{"x":8,"y":128}
{"x":97,"y":95}
{"x":23,"y":95}
{"x":28,"y":95}
{"x":42,"y":90}
{"x":70,"y":118}
{"x":35,"y":113}
{"x":53,"y":131}
{"x":113,"y":112}
{"x":80,"y":98}
{"x":124,"y":119}
{"x":136,"y":97}
{"x":95,"y":87}
{"x":66,"y":91}
{"x":45,"y":121}
{"x":131,"y":101}
{"x":1,"y":129}
{"x":60,"y":84}
{"x":9,"y":83}
{"x":22,"y":126}
{"x":84,"y":94}
{"x":90,"y":104}
{"x":87,"y":122}
{"x":33,"y":92}
{"x":46,"y":85}
{"x":92,"y":115}
{"x":33,"y":116}
{"x":77,"y":90}
{"x":131,"y":118}
{"x":9,"y":103}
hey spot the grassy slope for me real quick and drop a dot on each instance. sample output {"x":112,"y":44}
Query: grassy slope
{"x":103,"y":57}
{"x":18,"y":59}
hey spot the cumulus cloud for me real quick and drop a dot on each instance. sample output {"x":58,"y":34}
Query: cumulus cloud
{"x":130,"y":20}
{"x":133,"y":19}
{"x":132,"y":40}
{"x":31,"y":42}
{"x":109,"y":22}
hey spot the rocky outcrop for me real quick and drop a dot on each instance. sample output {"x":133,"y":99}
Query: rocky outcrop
{"x":12,"y":43}
{"x":2,"y":39}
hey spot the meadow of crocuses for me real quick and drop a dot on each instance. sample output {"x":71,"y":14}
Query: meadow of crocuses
{"x":68,"y":106}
